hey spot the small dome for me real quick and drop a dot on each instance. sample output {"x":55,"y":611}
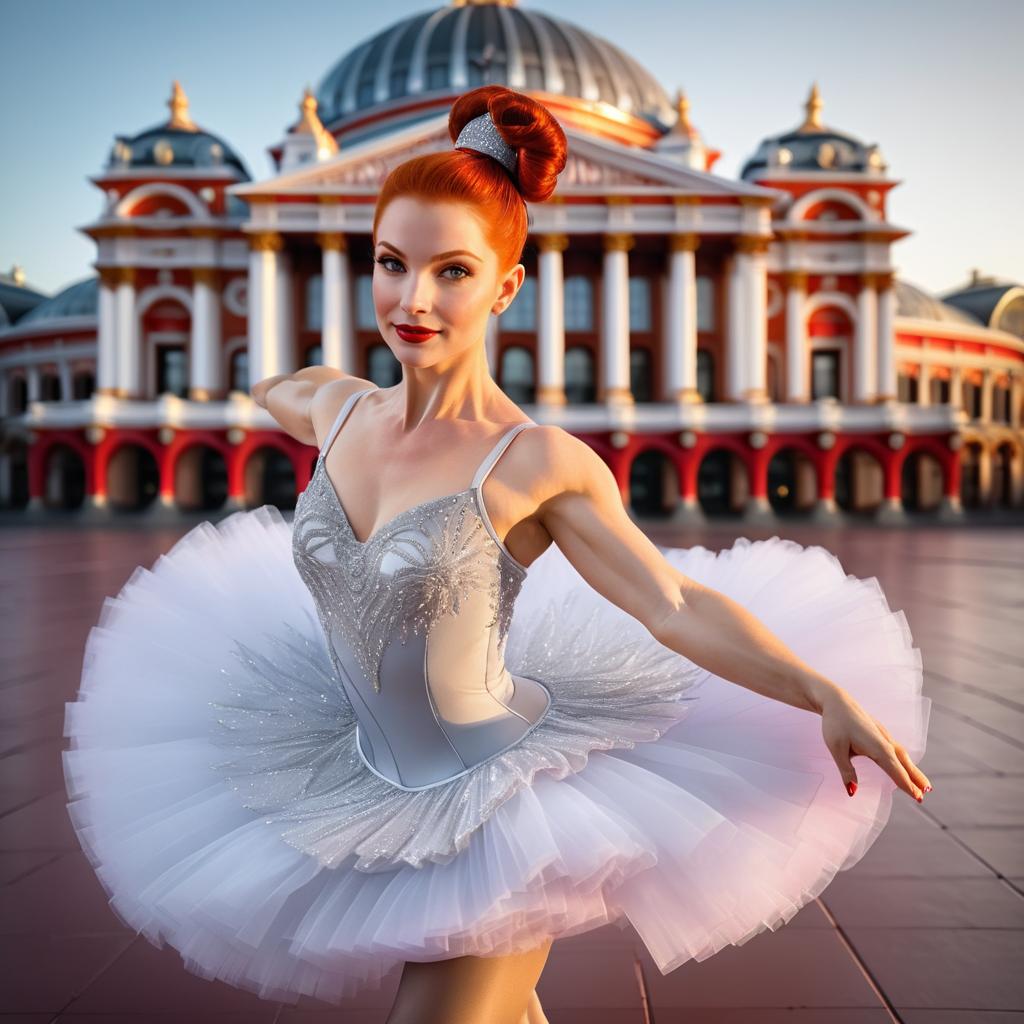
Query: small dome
{"x":441,"y":53}
{"x":813,"y":147}
{"x":178,"y":143}
{"x":997,"y":304}
{"x":17,"y":299}
{"x":916,"y":302}
{"x":79,"y":299}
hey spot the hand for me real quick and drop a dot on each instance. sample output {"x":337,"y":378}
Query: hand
{"x":849,"y":730}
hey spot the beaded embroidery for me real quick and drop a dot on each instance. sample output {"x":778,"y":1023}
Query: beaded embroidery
{"x":444,"y":551}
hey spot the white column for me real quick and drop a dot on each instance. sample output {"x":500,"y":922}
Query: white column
{"x":206,"y":377}
{"x":263,"y":250}
{"x":681,"y":319}
{"x":747,"y":336}
{"x":924,"y":385}
{"x":64,"y":372}
{"x":987,"y":382}
{"x":797,"y":349}
{"x":735,"y":331}
{"x":551,"y":314}
{"x":283,"y":354}
{"x":956,"y":387}
{"x":615,"y":319}
{"x":106,"y":334}
{"x":756,"y":298}
{"x":865,"y":342}
{"x":129,"y":358}
{"x":886,"y":344}
{"x":338,"y":335}
{"x":34,"y":389}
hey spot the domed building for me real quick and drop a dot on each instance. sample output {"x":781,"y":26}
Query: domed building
{"x":730,"y":347}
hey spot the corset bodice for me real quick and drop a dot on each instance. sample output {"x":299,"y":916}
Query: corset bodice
{"x":416,"y":618}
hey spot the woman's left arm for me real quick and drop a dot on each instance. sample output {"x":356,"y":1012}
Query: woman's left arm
{"x":588,"y":522}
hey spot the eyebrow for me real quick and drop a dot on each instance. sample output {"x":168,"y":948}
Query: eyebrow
{"x":439,"y":256}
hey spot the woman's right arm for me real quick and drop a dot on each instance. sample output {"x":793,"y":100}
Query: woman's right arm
{"x":288,"y":397}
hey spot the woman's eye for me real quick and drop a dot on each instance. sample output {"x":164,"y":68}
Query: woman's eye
{"x":465,"y":272}
{"x":384,"y":260}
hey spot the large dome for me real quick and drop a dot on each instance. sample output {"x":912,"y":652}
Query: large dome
{"x":446,"y":51}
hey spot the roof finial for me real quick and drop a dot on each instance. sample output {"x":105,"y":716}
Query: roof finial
{"x":179,"y":110}
{"x":310,"y":124}
{"x":812,"y":122}
{"x":684,"y":125}
{"x":18,"y":275}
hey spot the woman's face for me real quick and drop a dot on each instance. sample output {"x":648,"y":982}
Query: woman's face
{"x":433,"y":268}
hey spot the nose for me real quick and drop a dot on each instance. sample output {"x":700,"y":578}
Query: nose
{"x":416,"y":293}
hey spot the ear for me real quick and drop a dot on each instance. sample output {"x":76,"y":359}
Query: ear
{"x":509,"y":288}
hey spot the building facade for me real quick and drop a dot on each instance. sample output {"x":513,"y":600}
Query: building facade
{"x":730,"y":347}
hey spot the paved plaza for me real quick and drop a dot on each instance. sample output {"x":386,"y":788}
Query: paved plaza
{"x":927,"y":929}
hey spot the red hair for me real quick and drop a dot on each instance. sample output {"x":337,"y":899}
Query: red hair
{"x":467,"y":176}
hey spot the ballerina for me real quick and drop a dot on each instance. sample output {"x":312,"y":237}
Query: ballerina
{"x":463,"y":721}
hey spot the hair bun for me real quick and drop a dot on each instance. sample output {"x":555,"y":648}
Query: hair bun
{"x":524,"y":124}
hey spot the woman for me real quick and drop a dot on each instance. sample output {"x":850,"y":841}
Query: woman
{"x":407,"y":772}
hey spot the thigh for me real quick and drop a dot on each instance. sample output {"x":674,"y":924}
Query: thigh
{"x":468,"y":989}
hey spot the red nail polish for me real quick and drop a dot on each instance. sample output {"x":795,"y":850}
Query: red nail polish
{"x":851,"y":788}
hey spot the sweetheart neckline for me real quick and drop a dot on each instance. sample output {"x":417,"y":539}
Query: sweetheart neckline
{"x":322,"y":469}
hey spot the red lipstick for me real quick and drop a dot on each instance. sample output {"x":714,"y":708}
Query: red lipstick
{"x":410,"y":332}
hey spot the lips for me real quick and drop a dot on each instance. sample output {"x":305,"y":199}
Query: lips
{"x":409,"y":333}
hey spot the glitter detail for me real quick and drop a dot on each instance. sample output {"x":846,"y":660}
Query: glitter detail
{"x":481,"y":134}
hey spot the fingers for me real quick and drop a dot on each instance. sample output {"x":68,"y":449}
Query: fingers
{"x":915,"y":773}
{"x":894,"y":767}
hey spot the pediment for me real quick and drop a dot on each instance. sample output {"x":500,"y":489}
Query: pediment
{"x":593,"y":165}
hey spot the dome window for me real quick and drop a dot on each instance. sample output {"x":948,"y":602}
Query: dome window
{"x":163,"y":152}
{"x":827,"y":154}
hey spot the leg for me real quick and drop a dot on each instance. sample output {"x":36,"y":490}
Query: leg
{"x":534,"y":1012}
{"x":469,"y":989}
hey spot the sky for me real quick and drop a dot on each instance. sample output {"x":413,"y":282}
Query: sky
{"x":938,"y":84}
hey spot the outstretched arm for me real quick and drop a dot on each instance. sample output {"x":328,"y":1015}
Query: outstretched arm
{"x":586,"y":519}
{"x":304,"y":402}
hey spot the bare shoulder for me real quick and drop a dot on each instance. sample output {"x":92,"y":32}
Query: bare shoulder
{"x":328,"y":399}
{"x":557,"y":462}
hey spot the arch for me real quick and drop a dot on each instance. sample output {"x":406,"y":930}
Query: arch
{"x":819,"y":300}
{"x":83,"y":384}
{"x":579,"y":303}
{"x":723,"y":481}
{"x":922,"y":480}
{"x":200,"y":474}
{"x":858,"y":477}
{"x":132,"y":475}
{"x":837,"y":195}
{"x":269,"y":476}
{"x":1004,"y":455}
{"x":654,"y":482}
{"x":971,"y":455}
{"x":641,"y":374}
{"x":580,"y":377}
{"x":155,"y":189}
{"x":792,"y":480}
{"x":517,"y":375}
{"x":382,"y":366}
{"x":64,"y":476}
{"x":17,"y":393}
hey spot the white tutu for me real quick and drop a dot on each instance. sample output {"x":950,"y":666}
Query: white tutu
{"x":653,"y":795}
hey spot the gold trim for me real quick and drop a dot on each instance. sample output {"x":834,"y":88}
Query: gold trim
{"x":795,"y":279}
{"x":687,"y":241}
{"x":210,"y":276}
{"x":204,"y":232}
{"x":332,"y":241}
{"x":617,"y":200}
{"x":618,"y":242}
{"x":266,"y":241}
{"x":552,"y":243}
{"x":686,"y":200}
{"x":756,"y":200}
{"x":329,"y":199}
{"x":812,"y":120}
{"x":752,"y":244}
{"x":124,"y":275}
{"x":550,"y":396}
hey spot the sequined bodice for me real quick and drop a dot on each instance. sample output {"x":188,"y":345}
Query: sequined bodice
{"x":416,"y":618}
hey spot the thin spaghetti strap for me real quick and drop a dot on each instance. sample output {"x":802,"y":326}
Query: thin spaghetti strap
{"x":495,"y":453}
{"x":346,"y":407}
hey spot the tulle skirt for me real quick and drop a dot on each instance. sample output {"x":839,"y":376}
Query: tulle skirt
{"x":656,"y":795}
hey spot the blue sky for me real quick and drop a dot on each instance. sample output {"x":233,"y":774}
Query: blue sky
{"x":937,"y":84}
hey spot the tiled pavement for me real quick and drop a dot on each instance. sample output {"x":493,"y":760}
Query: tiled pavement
{"x":927,"y":929}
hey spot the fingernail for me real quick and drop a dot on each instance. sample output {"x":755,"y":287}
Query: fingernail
{"x":851,"y":788}
{"x":919,"y":798}
{"x":927,"y":789}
